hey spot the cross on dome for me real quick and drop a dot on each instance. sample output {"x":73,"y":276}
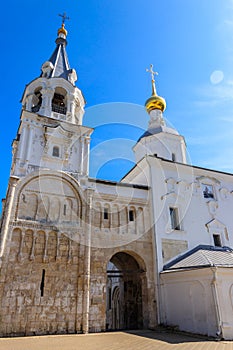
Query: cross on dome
{"x":155,"y":101}
{"x":64,"y":17}
{"x":152,"y":72}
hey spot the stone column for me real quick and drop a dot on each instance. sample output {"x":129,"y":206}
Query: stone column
{"x":46,"y":106}
{"x":5,"y":228}
{"x":21,"y":245}
{"x":29,"y":143}
{"x":87,"y":262}
{"x":86,"y":155}
{"x":22,"y":143}
{"x":82,"y":139}
{"x":70,"y":107}
{"x":29,"y":102}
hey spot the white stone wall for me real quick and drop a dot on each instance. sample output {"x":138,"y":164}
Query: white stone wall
{"x":187,"y":301}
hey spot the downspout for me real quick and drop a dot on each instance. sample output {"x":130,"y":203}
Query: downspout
{"x":216,"y":303}
{"x":87,"y":266}
{"x":154,"y":244}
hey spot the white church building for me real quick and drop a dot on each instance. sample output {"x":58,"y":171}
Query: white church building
{"x":82,"y":255}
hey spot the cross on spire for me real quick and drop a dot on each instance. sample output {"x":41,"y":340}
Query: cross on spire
{"x":152,"y":72}
{"x":64,"y":17}
{"x":154,"y":93}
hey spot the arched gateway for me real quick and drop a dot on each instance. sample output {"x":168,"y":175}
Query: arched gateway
{"x":126,"y":298}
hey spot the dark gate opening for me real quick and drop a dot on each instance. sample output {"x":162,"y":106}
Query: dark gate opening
{"x":124,"y":293}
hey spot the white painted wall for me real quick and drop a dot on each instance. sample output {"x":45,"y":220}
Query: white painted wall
{"x":188,"y":302}
{"x":180,"y":186}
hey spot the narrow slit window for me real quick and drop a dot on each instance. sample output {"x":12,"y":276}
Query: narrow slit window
{"x":173,"y":157}
{"x":217,"y":240}
{"x":64,"y":210}
{"x":55,"y":151}
{"x":42,"y":283}
{"x":174,"y":218}
{"x":131,"y":215}
{"x":105,"y":213}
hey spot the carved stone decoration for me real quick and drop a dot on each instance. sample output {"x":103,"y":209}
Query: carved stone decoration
{"x":217,"y":227}
{"x":183,"y":188}
{"x":209,"y":179}
{"x":171,"y":182}
{"x":224,"y":193}
{"x":212,"y":206}
{"x":196,"y":188}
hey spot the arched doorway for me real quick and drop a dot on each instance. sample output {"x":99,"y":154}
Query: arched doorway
{"x":124,"y":293}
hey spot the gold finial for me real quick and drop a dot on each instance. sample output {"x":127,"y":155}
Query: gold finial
{"x":62,"y":30}
{"x":155,"y":101}
{"x":154,"y":93}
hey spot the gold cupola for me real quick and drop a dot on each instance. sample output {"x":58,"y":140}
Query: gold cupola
{"x":62,"y":30}
{"x":155,"y":101}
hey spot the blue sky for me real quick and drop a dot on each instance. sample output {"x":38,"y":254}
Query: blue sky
{"x":110,"y":44}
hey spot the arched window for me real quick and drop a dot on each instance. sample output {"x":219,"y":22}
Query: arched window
{"x":36,"y":100}
{"x":56,"y":151}
{"x":59,"y":101}
{"x":132,"y":214}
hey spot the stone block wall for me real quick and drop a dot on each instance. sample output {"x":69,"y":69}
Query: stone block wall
{"x":41,"y":294}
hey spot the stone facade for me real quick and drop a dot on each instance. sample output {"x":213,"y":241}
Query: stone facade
{"x":81,"y":255}
{"x":57,"y":248}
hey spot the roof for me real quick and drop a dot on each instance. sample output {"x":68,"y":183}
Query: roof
{"x":202,"y":256}
{"x":159,"y":129}
{"x":122,"y":184}
{"x":176,"y":163}
{"x":59,"y":59}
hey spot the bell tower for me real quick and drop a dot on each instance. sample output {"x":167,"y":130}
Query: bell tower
{"x":51,"y":134}
{"x":160,"y":139}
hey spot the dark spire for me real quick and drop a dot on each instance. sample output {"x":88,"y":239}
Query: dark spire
{"x":60,"y":67}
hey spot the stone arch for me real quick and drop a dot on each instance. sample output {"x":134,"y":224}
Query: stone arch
{"x":59,"y":101}
{"x":54,"y":209}
{"x":63,"y":247}
{"x":97,"y":215}
{"x":36,"y":100}
{"x":132,"y":219}
{"x":15,"y":243}
{"x":39,"y":250}
{"x":43,"y":209}
{"x":116,"y":308}
{"x":115,"y":216}
{"x":27,"y":243}
{"x":140,"y":221}
{"x":52,"y":246}
{"x":123,"y":217}
{"x":28,"y":206}
{"x":67,"y":209}
{"x":39,"y":184}
{"x":132,"y":210}
{"x":126,"y":271}
{"x":106,"y":218}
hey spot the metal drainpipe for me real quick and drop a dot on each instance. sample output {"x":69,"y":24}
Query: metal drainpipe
{"x":157,"y":283}
{"x":86,"y":301}
{"x":216,"y":304}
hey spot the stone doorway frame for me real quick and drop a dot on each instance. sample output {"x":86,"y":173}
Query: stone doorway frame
{"x":111,"y":309}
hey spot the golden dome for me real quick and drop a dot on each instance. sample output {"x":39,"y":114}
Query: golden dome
{"x":62,"y":30}
{"x":155,"y":102}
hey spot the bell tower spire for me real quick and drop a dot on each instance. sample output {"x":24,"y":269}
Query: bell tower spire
{"x":51,"y":134}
